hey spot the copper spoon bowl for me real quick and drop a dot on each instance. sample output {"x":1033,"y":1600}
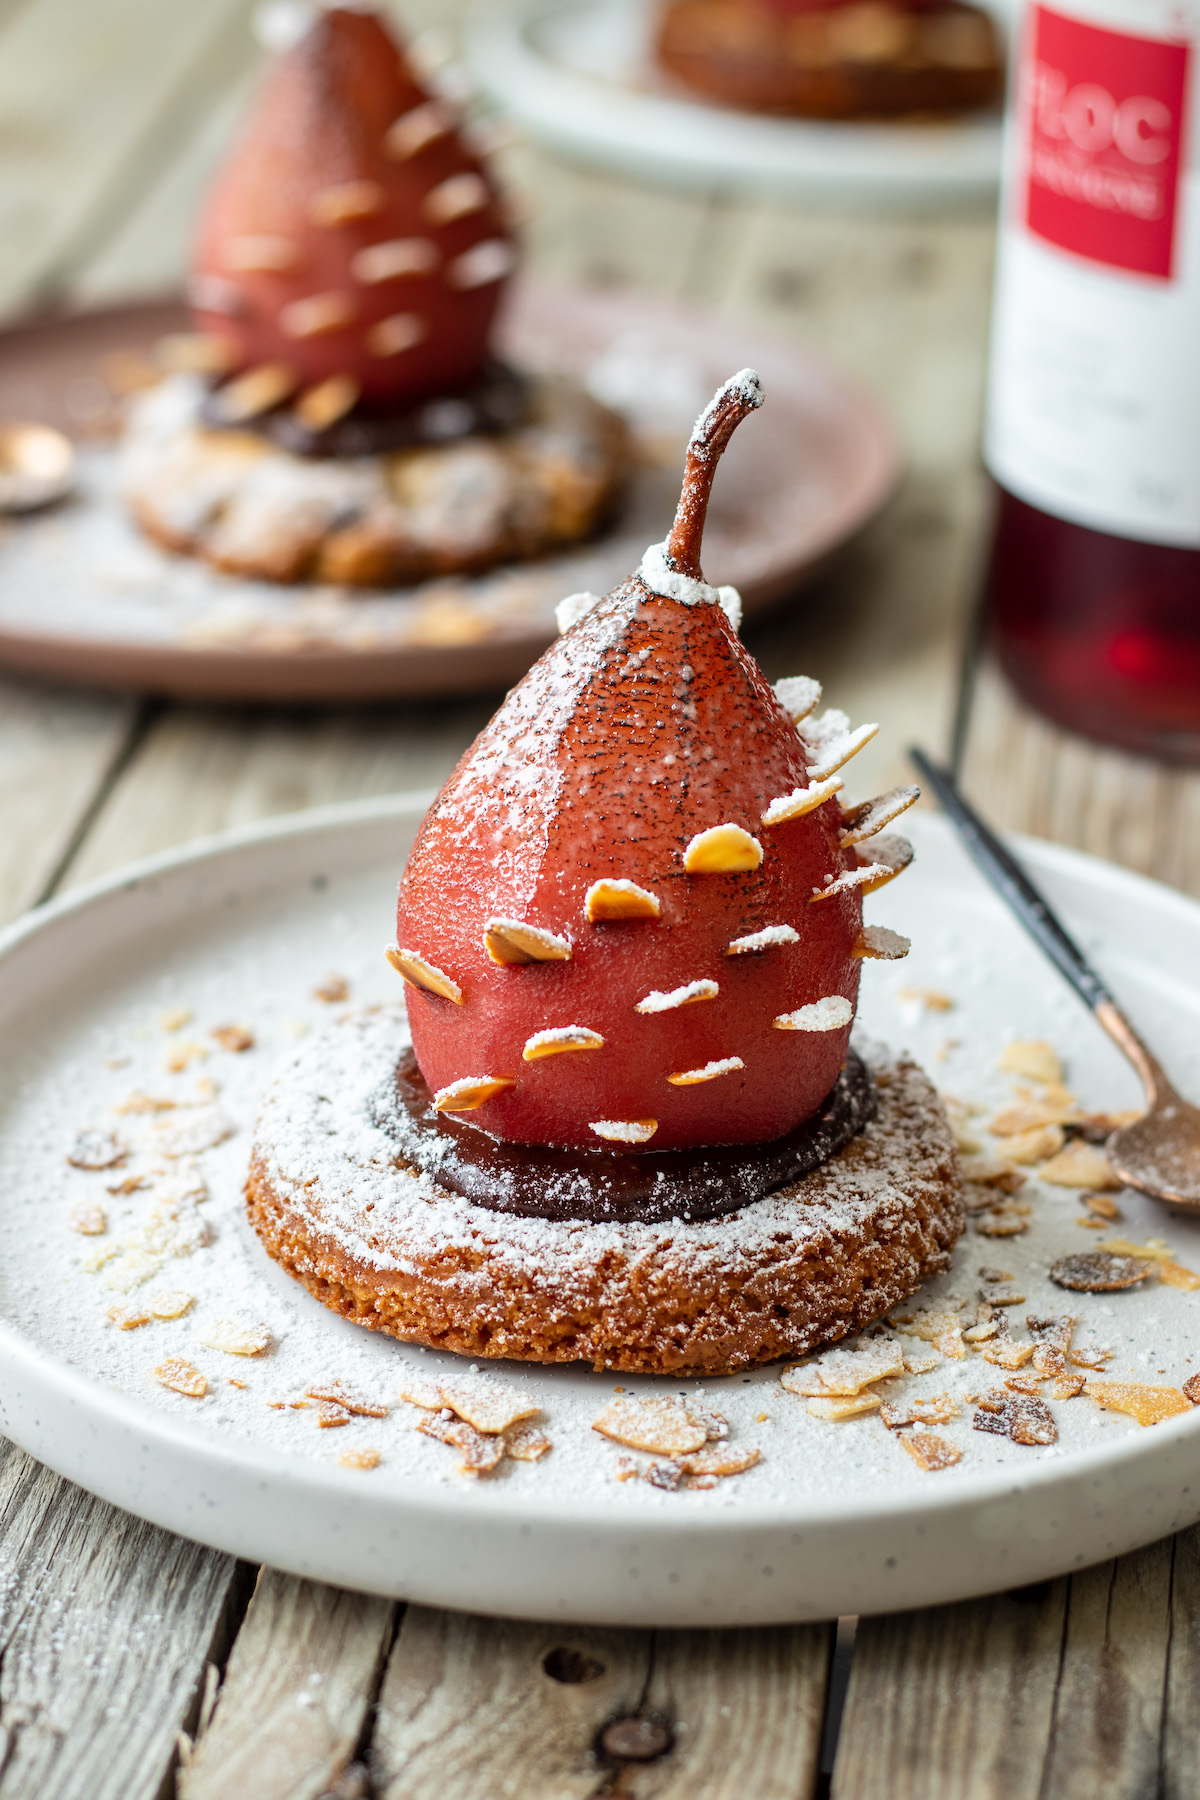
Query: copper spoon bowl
{"x":1159,"y":1154}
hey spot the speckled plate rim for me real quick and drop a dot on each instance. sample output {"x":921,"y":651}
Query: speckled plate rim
{"x":487,"y":1550}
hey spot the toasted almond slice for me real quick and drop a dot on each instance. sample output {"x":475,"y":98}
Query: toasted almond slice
{"x":394,"y":259}
{"x":315,"y":315}
{"x":335,"y":1394}
{"x":258,"y":253}
{"x":720,"y":1461}
{"x":1148,"y":1405}
{"x":174,"y":1018}
{"x":181,"y":1378}
{"x":127,"y":1318}
{"x":1035,"y":1146}
{"x":424,"y":974}
{"x":927,"y":1409}
{"x":930,"y":1451}
{"x":894,"y":853}
{"x":687,"y":995}
{"x":1032,"y":1057}
{"x":1001,"y":1221}
{"x":771,"y":937}
{"x":330,"y":400}
{"x":359,"y":1459}
{"x":1170,"y":1272}
{"x":480,"y":1454}
{"x":609,"y":900}
{"x":558,"y":1038}
{"x":414,"y":129}
{"x":346,"y":202}
{"x":237,"y":1338}
{"x":97,"y":1150}
{"x":833,"y":752}
{"x":624,"y":1131}
{"x":509,"y":941}
{"x":1080,"y":1165}
{"x":940,"y":1328}
{"x":193,"y":353}
{"x":869,"y":816}
{"x":849,"y":879}
{"x":421,"y":1392}
{"x":486,"y":1404}
{"x":829,"y":1014}
{"x":171,"y":1304}
{"x":234,"y":1038}
{"x":526,"y":1444}
{"x":842,"y":1373}
{"x":800,"y":801}
{"x":470,"y":1092}
{"x":798,"y":695}
{"x":664,"y":1425}
{"x":88,"y":1221}
{"x":722,"y":850}
{"x":255,"y":392}
{"x":847,"y":1408}
{"x":726,"y":1065}
{"x":882,"y":942}
{"x":331,"y":1414}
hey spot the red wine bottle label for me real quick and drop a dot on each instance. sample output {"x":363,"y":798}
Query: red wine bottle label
{"x":1094,"y":388}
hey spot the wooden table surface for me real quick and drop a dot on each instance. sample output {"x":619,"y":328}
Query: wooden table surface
{"x":134,"y":1664}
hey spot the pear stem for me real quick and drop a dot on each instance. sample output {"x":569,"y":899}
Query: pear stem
{"x":741,"y":395}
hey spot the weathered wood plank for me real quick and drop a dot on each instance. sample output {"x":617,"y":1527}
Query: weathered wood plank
{"x":293,"y":1705}
{"x":1180,"y":1777}
{"x":106,"y":1625}
{"x":479,"y":1709}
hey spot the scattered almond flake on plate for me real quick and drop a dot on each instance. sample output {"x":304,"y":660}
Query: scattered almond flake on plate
{"x":937,"y":1327}
{"x":720,"y":1462}
{"x":140,"y":1102}
{"x":1005,"y":1351}
{"x":1067,"y":1386}
{"x":359,"y":1459}
{"x":333,"y":990}
{"x":182,"y":1056}
{"x":199,"y":1128}
{"x":419,"y":1392}
{"x":1029,"y":1115}
{"x":525,"y":1443}
{"x":175,"y":1018}
{"x":97,"y":1149}
{"x":127,"y":1318}
{"x":927,"y":1409}
{"x":930,"y":998}
{"x":1035,"y":1146}
{"x":921,"y":1365}
{"x":1170,"y":1272}
{"x":171,"y":1304}
{"x":664,"y":1426}
{"x":132,"y":1184}
{"x":130,"y":1268}
{"x":1091,"y":1356}
{"x":1027,"y":1384}
{"x":485,"y":1403}
{"x":234,"y":1038}
{"x":1148,"y":1405}
{"x":337,"y":1395}
{"x":1099,"y":1272}
{"x":330,"y":1414}
{"x":844,"y":1407}
{"x":88,"y":1221}
{"x":1104,"y":1208}
{"x":1033,"y":1058}
{"x":988,"y":1171}
{"x":1080,"y":1165}
{"x":1051,"y":1334}
{"x":1002,"y":1222}
{"x":480,"y":1453}
{"x":842,"y":1372}
{"x":931,"y":1452}
{"x":179,"y":1375}
{"x":1020,"y":1417}
{"x":237,"y":1337}
{"x":1191,"y":1388}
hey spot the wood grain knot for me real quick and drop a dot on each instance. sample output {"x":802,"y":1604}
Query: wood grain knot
{"x":636,"y":1739}
{"x":563,"y":1664}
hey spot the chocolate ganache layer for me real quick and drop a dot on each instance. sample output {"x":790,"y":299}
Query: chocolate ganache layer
{"x":610,"y":1186}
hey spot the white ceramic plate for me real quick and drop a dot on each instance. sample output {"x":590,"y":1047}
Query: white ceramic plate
{"x":835,"y":1519}
{"x":580,"y":76}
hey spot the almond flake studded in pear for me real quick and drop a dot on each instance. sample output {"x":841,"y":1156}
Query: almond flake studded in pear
{"x":829,"y":1014}
{"x":420,"y":126}
{"x":800,"y":801}
{"x":560,"y":1038}
{"x":664,"y":1426}
{"x":512,"y":941}
{"x":843,"y":1372}
{"x":847,"y":1408}
{"x":869,"y":816}
{"x":849,"y":879}
{"x":606,"y":901}
{"x":470,"y":1092}
{"x":833,"y":750}
{"x":687,"y":995}
{"x":624,"y":1131}
{"x":894,"y":853}
{"x":771,"y":937}
{"x":798,"y":695}
{"x":722,"y":850}
{"x":424,"y":974}
{"x":881,"y":943}
{"x":255,"y":392}
{"x":726,"y":1065}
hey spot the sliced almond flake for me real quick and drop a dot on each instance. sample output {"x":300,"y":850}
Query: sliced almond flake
{"x":1034,"y":1146}
{"x":192,"y":1131}
{"x":800,"y":801}
{"x":611,"y":900}
{"x":127,"y":1318}
{"x":512,"y":942}
{"x":88,"y":1221}
{"x":1022,"y":1418}
{"x":1148,"y":1405}
{"x":624,"y":1131}
{"x":486,"y":1404}
{"x":420,"y":1392}
{"x":558,"y":1039}
{"x":828,"y":1014}
{"x":988,"y":1171}
{"x":337,"y":1395}
{"x":1170,"y":1272}
{"x":1091,"y":1356}
{"x":1007,"y":1352}
{"x":1001,"y":1221}
{"x":1033,"y":1058}
{"x":722,"y":850}
{"x":1029,"y":1115}
{"x":664,"y":1426}
{"x":140,"y":1102}
{"x":1104,"y":1209}
{"x":470,"y":1092}
{"x":665,"y":1475}
{"x":932,"y":999}
{"x":423,"y":974}
{"x":333,"y":990}
{"x":687,"y":995}
{"x":845,"y":1372}
{"x":1080,"y":1165}
{"x":130,"y":1269}
{"x":171,"y":1304}
{"x":725,"y":1065}
{"x":182,"y":1056}
{"x":940,"y":1328}
{"x":880,"y":943}
{"x":96,"y":1149}
{"x":1052,"y":1336}
{"x":181,"y":1378}
{"x":928,"y":1409}
{"x":175,"y":1018}
{"x":1067,"y":1386}
{"x":725,"y":1461}
{"x":234,"y":1038}
{"x":869,"y":816}
{"x":1003,"y":1299}
{"x":931,"y":1452}
{"x":330,"y":1414}
{"x":1027,"y":1384}
{"x":920,"y":1365}
{"x":237,"y":1337}
{"x":526,"y":1443}
{"x":771,"y":937}
{"x":1191,"y":1388}
{"x":480,"y":1454}
{"x":798,"y":694}
{"x":359,"y":1459}
{"x":848,"y":1407}
{"x":132,"y":1184}
{"x":848,"y":880}
{"x":831,"y":744}
{"x":891,"y":852}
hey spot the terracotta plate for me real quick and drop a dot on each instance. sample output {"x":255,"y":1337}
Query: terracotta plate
{"x":83,"y":597}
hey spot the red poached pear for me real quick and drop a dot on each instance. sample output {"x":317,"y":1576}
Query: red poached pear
{"x":633,"y":916}
{"x":351,"y":236}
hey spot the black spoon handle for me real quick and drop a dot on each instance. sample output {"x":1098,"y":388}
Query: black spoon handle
{"x":1012,"y":884}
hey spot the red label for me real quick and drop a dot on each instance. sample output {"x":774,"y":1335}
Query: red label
{"x":1105,"y":114}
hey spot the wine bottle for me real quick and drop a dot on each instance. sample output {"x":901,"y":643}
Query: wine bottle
{"x":1093,"y":418}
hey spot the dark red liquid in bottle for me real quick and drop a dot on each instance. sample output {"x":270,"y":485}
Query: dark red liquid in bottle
{"x":1101,"y":633}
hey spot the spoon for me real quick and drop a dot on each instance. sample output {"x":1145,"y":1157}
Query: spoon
{"x":1159,"y":1154}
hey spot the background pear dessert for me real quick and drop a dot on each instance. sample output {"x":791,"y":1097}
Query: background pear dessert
{"x":342,"y":415}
